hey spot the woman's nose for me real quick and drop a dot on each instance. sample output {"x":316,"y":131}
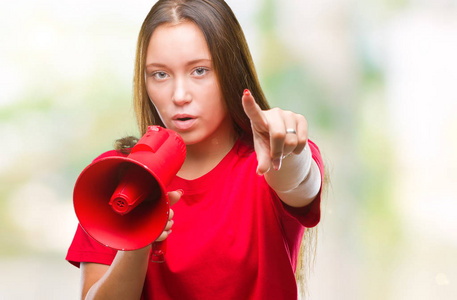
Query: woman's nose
{"x":181,"y":93}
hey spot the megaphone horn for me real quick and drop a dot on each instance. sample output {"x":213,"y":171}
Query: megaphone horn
{"x":122,"y":202}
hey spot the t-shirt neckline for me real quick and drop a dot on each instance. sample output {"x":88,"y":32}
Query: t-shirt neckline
{"x":197,"y":184}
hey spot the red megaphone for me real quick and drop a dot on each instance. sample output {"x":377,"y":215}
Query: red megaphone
{"x":122,"y":202}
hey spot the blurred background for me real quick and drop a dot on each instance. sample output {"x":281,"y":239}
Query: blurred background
{"x":376,"y":79}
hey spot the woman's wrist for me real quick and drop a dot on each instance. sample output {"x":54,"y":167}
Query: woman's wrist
{"x":295,"y":169}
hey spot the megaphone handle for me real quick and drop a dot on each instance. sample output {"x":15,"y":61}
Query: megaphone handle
{"x":158,"y":251}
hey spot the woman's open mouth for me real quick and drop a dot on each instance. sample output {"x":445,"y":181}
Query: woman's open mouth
{"x":183,"y":122}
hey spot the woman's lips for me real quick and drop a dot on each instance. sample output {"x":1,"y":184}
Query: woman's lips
{"x":183,"y":122}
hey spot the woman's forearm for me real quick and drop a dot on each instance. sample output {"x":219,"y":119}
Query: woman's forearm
{"x":125,"y":277}
{"x":298,"y":180}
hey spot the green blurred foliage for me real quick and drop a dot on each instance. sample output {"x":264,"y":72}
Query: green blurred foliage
{"x":355,"y":118}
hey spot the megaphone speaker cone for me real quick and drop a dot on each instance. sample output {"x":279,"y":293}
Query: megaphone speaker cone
{"x":121,"y":201}
{"x":129,"y":231}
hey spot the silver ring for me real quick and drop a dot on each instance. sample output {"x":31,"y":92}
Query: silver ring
{"x":291,"y":130}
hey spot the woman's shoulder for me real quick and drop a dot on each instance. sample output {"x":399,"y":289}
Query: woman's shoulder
{"x":243,"y":148}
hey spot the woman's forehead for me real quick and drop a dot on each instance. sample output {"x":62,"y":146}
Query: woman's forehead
{"x":177,"y":41}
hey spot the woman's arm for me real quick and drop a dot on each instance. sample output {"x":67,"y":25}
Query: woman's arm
{"x":283,"y":153}
{"x":124,"y":278}
{"x":298,"y":181}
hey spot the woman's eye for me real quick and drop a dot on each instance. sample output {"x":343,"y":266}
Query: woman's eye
{"x":200,"y":71}
{"x":159,"y":75}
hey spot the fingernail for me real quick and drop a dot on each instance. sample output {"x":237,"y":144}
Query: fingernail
{"x":247,"y":92}
{"x":181,"y":191}
{"x":258,"y":172}
{"x":277,"y":163}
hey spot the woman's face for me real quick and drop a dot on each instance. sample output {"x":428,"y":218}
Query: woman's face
{"x":183,"y":86}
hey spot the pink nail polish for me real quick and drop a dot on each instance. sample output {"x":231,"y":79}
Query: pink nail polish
{"x":247,"y":92}
{"x":277,"y":163}
{"x":181,"y":191}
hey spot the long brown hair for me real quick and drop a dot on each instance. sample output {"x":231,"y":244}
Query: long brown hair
{"x":229,"y":50}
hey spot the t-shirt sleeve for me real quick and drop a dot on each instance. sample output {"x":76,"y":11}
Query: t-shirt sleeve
{"x":309,"y":215}
{"x":86,"y":249}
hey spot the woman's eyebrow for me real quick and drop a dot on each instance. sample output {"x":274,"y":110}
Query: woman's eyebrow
{"x":196,"y":61}
{"x":192,"y":62}
{"x":154,"y":64}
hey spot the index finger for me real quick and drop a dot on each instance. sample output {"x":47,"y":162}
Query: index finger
{"x":253,"y":110}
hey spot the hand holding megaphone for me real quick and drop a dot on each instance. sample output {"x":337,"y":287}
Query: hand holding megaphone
{"x":174,"y":197}
{"x":122,"y":202}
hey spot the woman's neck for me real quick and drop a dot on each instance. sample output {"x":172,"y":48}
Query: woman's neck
{"x":202,"y":157}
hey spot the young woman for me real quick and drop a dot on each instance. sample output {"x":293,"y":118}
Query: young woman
{"x":250,"y":183}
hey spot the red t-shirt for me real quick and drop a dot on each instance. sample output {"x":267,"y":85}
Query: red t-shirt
{"x":232,"y":236}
